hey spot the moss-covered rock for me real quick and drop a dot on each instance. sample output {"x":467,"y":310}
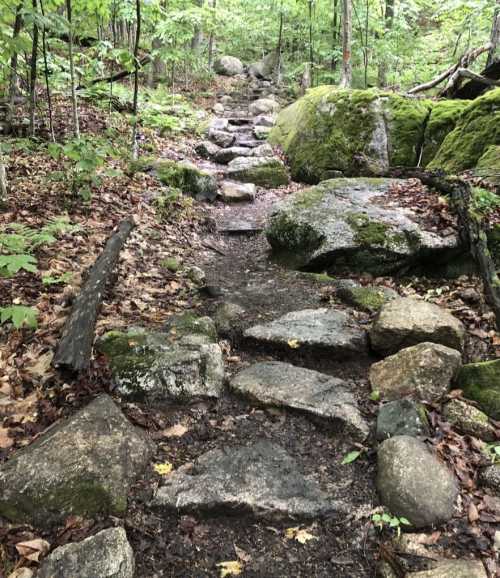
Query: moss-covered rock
{"x":468,"y":420}
{"x":494,"y":243}
{"x":368,"y":298}
{"x":188,"y":178}
{"x":442,"y":120}
{"x":181,"y":364}
{"x":488,"y":166}
{"x":354,"y":131}
{"x":267,"y":172}
{"x":477,"y":129}
{"x":481,"y":382}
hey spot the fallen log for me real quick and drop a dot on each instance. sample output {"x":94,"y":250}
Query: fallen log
{"x":471,"y":231}
{"x":117,"y":75}
{"x":472,"y":89}
{"x":75,"y":346}
{"x":455,"y":79}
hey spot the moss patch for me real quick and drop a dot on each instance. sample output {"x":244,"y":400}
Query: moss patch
{"x":481,"y":382}
{"x":488,"y":166}
{"x":187,"y":178}
{"x":494,"y":244}
{"x":477,"y":129}
{"x":367,"y":232}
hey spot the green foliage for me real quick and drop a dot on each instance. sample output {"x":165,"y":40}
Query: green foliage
{"x":19,"y":316}
{"x":386,"y":520}
{"x":493,"y":452}
{"x":484,"y":201}
{"x":12,"y":264}
{"x":57,"y":279}
{"x":173,"y":204}
{"x":351,"y":457}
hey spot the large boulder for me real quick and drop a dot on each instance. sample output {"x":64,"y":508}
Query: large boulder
{"x":424,"y":371}
{"x":267,"y":172}
{"x":105,"y":555}
{"x":228,"y":66}
{"x":354,"y":131}
{"x":265,"y":67}
{"x":330,"y":330}
{"x":178,"y":365}
{"x":82,"y":466}
{"x":413,"y":483}
{"x":261,"y":479}
{"x":481,"y":382}
{"x":316,"y":394}
{"x":188,"y":178}
{"x":407,"y":321}
{"x":263,"y":106}
{"x":477,"y":129}
{"x":345,"y":225}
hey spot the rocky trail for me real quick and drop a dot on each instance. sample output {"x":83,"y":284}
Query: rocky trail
{"x":260,"y":446}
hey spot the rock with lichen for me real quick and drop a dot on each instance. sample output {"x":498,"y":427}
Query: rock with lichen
{"x":344,"y":225}
{"x":365,"y":298}
{"x":468,"y":420}
{"x":481,"y":383}
{"x":261,"y":171}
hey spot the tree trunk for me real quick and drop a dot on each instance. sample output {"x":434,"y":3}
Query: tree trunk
{"x":211,"y":40}
{"x":389,"y":17}
{"x":74,"y":102}
{"x":279,"y":49}
{"x":335,"y":35}
{"x":197,"y":38}
{"x":3,"y":182}
{"x":46,"y":74}
{"x":34,"y":51}
{"x":495,"y":36}
{"x":13,"y":80}
{"x":136,"y":77}
{"x":346,"y":80}
{"x":311,"y":45}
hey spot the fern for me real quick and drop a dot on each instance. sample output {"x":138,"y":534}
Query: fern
{"x":12,"y":264}
{"x":19,"y":315}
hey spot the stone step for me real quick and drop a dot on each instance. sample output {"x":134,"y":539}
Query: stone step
{"x":234,"y":226}
{"x":316,"y":394}
{"x":232,"y":192}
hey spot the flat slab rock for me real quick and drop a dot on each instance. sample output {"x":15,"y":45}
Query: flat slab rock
{"x":82,"y":466}
{"x":453,"y":569}
{"x":262,"y":480}
{"x":346,"y":225}
{"x":105,"y":555}
{"x":319,"y":395}
{"x":328,"y":329}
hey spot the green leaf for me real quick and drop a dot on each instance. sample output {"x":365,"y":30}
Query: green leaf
{"x":54,"y":280}
{"x":351,"y":457}
{"x":405,"y":521}
{"x":14,"y":263}
{"x":20,"y":315}
{"x":375,"y":395}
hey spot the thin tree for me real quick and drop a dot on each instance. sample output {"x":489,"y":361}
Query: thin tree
{"x":495,"y":36}
{"x":211,"y":39}
{"x":279,"y":49}
{"x":3,"y":181}
{"x":18,"y":24}
{"x":135,"y":151}
{"x":33,"y":71}
{"x":388,"y":18}
{"x":346,"y":80}
{"x":197,"y":38}
{"x":74,"y":102}
{"x":311,"y":45}
{"x":335,"y":35}
{"x":46,"y":74}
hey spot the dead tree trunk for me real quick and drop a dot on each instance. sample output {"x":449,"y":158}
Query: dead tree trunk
{"x":494,"y":37}
{"x":75,"y":346}
{"x":346,"y":44}
{"x":74,"y":102}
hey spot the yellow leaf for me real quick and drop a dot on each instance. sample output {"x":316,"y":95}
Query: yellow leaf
{"x":293,"y":343}
{"x":176,"y":431}
{"x":163,"y":469}
{"x":232,"y":568}
{"x":32,"y":549}
{"x":301,"y":535}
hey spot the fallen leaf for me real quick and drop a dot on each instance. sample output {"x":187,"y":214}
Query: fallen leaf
{"x":33,"y":549}
{"x":232,"y":568}
{"x":41,"y":368}
{"x":176,"y":431}
{"x":5,"y":440}
{"x":301,"y":535}
{"x":293,"y":344}
{"x":242,"y":555}
{"x":21,"y":573}
{"x":163,"y":469}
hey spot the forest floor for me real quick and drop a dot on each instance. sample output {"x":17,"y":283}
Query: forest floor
{"x":146,"y":293}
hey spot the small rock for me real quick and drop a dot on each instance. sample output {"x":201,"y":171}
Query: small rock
{"x":481,"y":382}
{"x":263,"y":106}
{"x":261,"y":479}
{"x":424,"y":371}
{"x":218,"y":108}
{"x":261,"y":132}
{"x":413,"y":483}
{"x":452,"y":569}
{"x":227,"y":317}
{"x":219,"y":124}
{"x":82,"y":466}
{"x":105,"y":555}
{"x":469,"y":295}
{"x":226,"y":99}
{"x":237,"y":192}
{"x":402,"y":417}
{"x":468,"y":420}
{"x":406,"y":321}
{"x":228,"y":66}
{"x":265,"y":120}
{"x":333,"y":331}
{"x":496,"y":541}
{"x":196,"y":275}
{"x":221,"y":137}
{"x":489,"y":477}
{"x":207,"y":149}
{"x":225,"y":156}
{"x":191,"y":324}
{"x":262,"y":171}
{"x":318,"y":395}
{"x":263,"y":150}
{"x":239,"y":227}
{"x":369,"y":299}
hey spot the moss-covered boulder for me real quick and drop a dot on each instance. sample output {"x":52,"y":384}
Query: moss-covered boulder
{"x":354,"y":131}
{"x":181,"y":363}
{"x":494,"y":243}
{"x":188,"y":178}
{"x":83,"y":466}
{"x":468,"y":420}
{"x":477,"y":129}
{"x":365,"y":298}
{"x":267,"y":172}
{"x":481,"y":383}
{"x":344,"y":225}
{"x":442,"y":120}
{"x":488,"y":166}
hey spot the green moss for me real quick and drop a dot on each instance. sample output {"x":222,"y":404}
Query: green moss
{"x":191,"y":324}
{"x":272,"y":174}
{"x":185,"y":177}
{"x":477,"y":129}
{"x":141,"y":165}
{"x":309,"y":197}
{"x":367,"y":298}
{"x":171,"y":264}
{"x":299,"y":240}
{"x":367,"y":232}
{"x":494,"y":244}
{"x":442,"y":120}
{"x":116,"y":343}
{"x":481,"y":382}
{"x":488,"y":166}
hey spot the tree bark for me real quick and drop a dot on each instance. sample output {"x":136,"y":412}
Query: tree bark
{"x":346,"y":44}
{"x":18,"y":24}
{"x":75,"y":346}
{"x":211,"y":40}
{"x":388,"y":17}
{"x":311,"y":45}
{"x":197,"y":38}
{"x":494,"y":37}
{"x":335,"y":35}
{"x":46,"y":74}
{"x":3,"y":182}
{"x":136,"y":77}
{"x":33,"y":71}
{"x":74,"y":102}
